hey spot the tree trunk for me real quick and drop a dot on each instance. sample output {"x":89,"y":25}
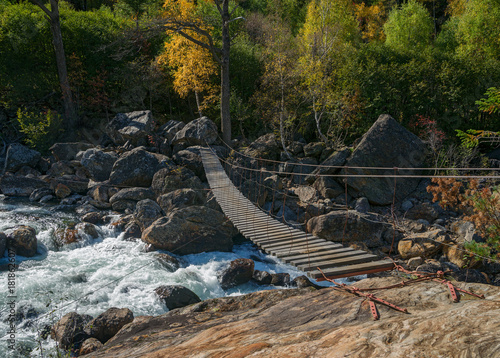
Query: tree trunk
{"x":317,"y":119}
{"x":225,"y":89}
{"x":198,"y":104}
{"x":282,"y":113}
{"x":62,"y":71}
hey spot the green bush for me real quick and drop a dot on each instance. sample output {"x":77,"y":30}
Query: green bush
{"x":41,"y":129}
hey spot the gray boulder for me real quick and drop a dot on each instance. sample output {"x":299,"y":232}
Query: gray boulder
{"x":201,"y":131}
{"x":21,"y":186}
{"x":175,"y":296}
{"x":386,"y":144}
{"x":137,"y":168}
{"x":132,"y":127}
{"x":280,"y":279}
{"x":262,"y":277}
{"x":38,"y":194}
{"x":314,"y":149}
{"x":170,"y":129}
{"x":265,"y":147}
{"x":331,"y":165}
{"x":328,"y":188}
{"x":68,"y":331}
{"x":19,"y":155}
{"x":128,"y":198}
{"x":426,"y":211}
{"x":68,"y":151}
{"x":191,"y":159}
{"x":180,"y":198}
{"x":360,"y":227}
{"x":108,"y":323}
{"x":191,"y":230}
{"x":173,"y":178}
{"x":146,"y":212}
{"x":238,"y":272}
{"x":98,"y":163}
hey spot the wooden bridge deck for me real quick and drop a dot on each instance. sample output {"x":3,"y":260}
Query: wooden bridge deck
{"x":303,"y":250}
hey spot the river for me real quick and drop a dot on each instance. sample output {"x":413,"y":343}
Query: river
{"x":93,"y":275}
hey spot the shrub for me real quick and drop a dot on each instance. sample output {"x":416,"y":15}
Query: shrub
{"x":40,"y":129}
{"x":481,"y":206}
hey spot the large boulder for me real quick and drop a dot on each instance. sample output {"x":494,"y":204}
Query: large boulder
{"x":314,"y":149}
{"x":23,"y":241}
{"x":146,"y":212}
{"x":265,"y":147}
{"x":98,"y":163}
{"x":11,"y":185}
{"x":180,"y":198}
{"x":137,"y":168}
{"x":128,"y":198}
{"x":68,"y":331}
{"x":191,"y":159}
{"x":170,"y":129}
{"x":201,"y":131}
{"x":19,"y":155}
{"x":386,"y":144}
{"x":175,"y":296}
{"x":133,"y":127}
{"x":238,"y":272}
{"x":191,"y":230}
{"x":331,"y":165}
{"x":173,"y":178}
{"x":358,"y":227}
{"x":68,"y":151}
{"x":108,"y":323}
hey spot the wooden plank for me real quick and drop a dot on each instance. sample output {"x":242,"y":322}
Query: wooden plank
{"x":339,"y":249}
{"x":281,"y":238}
{"x":285,"y":253}
{"x":274,"y":240}
{"x":290,"y":243}
{"x":351,"y":260}
{"x":324,"y":257}
{"x":260,"y":224}
{"x":353,"y":270}
{"x":283,"y":230}
{"x":286,"y":247}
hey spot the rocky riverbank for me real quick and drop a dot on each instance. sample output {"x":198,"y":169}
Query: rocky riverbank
{"x":320,"y":323}
{"x":154,"y":179}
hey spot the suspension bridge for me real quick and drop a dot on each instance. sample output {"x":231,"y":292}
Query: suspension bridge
{"x":319,"y":258}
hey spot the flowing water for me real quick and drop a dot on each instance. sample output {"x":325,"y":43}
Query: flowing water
{"x":93,"y":275}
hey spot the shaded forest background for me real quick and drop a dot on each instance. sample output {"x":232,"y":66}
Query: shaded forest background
{"x":323,"y":69}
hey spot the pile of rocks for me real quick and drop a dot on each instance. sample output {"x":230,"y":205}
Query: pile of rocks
{"x":83,"y":334}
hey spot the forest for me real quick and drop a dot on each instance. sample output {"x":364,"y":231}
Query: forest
{"x":320,"y":69}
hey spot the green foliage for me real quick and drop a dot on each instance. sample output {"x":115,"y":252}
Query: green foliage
{"x":409,"y":28}
{"x":40,"y":129}
{"x":490,"y":104}
{"x":27,"y":64}
{"x":477,"y":30}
